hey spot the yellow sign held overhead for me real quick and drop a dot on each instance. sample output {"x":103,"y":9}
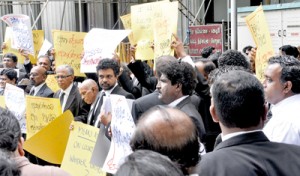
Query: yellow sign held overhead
{"x":258,"y":27}
{"x":68,"y":49}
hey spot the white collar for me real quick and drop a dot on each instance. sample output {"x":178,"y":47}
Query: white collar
{"x":231,"y":135}
{"x":108,"y":92}
{"x":174,"y":103}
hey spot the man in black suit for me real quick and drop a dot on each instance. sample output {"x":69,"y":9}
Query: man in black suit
{"x":68,"y":94}
{"x":38,"y":76}
{"x":89,"y":92}
{"x":238,"y":105}
{"x":176,"y":83}
{"x":108,"y":71}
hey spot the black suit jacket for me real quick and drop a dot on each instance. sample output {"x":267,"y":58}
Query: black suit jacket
{"x":144,"y":103}
{"x":251,"y":154}
{"x":189,"y":108}
{"x":73,"y":102}
{"x":91,"y":118}
{"x":45,"y":91}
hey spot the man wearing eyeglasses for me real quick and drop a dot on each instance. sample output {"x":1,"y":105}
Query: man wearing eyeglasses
{"x":38,"y":76}
{"x":68,"y":94}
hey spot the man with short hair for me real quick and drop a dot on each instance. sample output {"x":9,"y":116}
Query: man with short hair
{"x":43,"y":61}
{"x":108,"y":71}
{"x":233,"y":58}
{"x":89,"y":92}
{"x":176,"y":83}
{"x":238,"y":105}
{"x":282,"y":89}
{"x":12,"y":143}
{"x":68,"y":94}
{"x":10,"y":61}
{"x":7,"y":75}
{"x":170,"y":132}
{"x":38,"y":76}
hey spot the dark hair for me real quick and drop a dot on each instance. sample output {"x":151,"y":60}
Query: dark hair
{"x":48,"y":58}
{"x":109,"y":64}
{"x":290,"y":50}
{"x":188,"y":80}
{"x":247,"y":48}
{"x":10,"y":73}
{"x":213,"y":75}
{"x":177,"y":137}
{"x":10,"y":131}
{"x":238,"y":97}
{"x":148,"y":163}
{"x":11,"y":56}
{"x":214,"y":58}
{"x":207,"y":51}
{"x":233,"y":58}
{"x":7,"y":166}
{"x":179,"y":73}
{"x":290,"y":70}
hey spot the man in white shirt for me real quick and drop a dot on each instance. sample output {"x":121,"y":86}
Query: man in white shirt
{"x":68,"y":94}
{"x":282,"y":89}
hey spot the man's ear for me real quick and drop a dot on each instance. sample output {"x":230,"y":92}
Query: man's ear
{"x":213,"y":113}
{"x":20,"y":147}
{"x":287,"y":87}
{"x":264,"y":115}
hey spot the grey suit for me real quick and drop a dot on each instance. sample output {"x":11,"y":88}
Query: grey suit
{"x":251,"y":154}
{"x":73,"y":102}
{"x":45,"y":91}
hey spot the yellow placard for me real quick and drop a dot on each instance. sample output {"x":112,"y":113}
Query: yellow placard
{"x":38,"y":39}
{"x":68,"y":49}
{"x":40,"y":112}
{"x":142,"y":18}
{"x":50,"y":143}
{"x":52,"y":83}
{"x":164,"y":26}
{"x":79,"y":151}
{"x":126,"y":20}
{"x":258,"y":27}
{"x":2,"y":102}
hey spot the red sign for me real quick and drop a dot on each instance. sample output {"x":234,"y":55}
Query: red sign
{"x":203,"y":36}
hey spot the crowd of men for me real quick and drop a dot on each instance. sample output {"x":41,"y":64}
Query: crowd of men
{"x":207,"y":116}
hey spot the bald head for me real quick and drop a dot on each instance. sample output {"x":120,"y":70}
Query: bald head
{"x":170,"y":132}
{"x":88,"y":90}
{"x":165,"y":125}
{"x":38,"y":75}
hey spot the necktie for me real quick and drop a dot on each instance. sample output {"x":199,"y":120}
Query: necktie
{"x":31,"y":92}
{"x":61,"y":98}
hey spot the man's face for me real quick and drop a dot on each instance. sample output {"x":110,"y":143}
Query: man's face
{"x":167,"y":91}
{"x":88,"y":94}
{"x":37,"y":75}
{"x":4,"y":79}
{"x":64,"y":79}
{"x":44,"y":62}
{"x":107,"y":79}
{"x":272,"y":84}
{"x":9,"y":63}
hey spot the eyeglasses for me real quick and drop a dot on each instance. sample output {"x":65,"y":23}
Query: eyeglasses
{"x":61,"y":76}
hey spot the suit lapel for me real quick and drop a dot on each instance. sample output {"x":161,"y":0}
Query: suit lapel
{"x":70,"y":98}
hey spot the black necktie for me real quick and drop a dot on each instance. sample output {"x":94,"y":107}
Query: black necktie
{"x":61,"y":98}
{"x":31,"y":92}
